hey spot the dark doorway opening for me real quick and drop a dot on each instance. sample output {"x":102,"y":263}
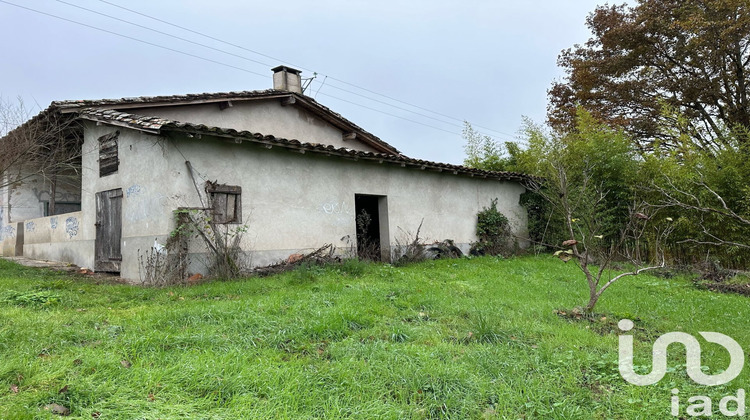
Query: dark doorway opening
{"x":371,"y":221}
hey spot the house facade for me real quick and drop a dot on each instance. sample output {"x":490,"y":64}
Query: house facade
{"x":275,"y":167}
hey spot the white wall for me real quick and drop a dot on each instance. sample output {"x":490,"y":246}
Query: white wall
{"x":291,"y":202}
{"x":259,"y":116}
{"x":56,"y":238}
{"x":26,"y":200}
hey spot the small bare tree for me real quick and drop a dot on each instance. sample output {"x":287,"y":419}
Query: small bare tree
{"x":597,"y":235}
{"x":46,"y":145}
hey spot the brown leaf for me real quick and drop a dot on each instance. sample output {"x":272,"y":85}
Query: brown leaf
{"x":14,"y":389}
{"x":58,"y":409}
{"x":77,"y":362}
{"x":126,"y":364}
{"x":63,"y":390}
{"x":151,"y":397}
{"x":569,"y":242}
{"x":640,"y":216}
{"x":96,"y":414}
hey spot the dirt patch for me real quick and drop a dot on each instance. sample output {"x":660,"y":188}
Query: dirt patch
{"x":73,"y":269}
{"x":605,"y":324}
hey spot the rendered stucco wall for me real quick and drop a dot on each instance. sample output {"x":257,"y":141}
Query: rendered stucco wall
{"x":291,"y":202}
{"x":4,"y":223}
{"x":56,"y":238}
{"x":26,"y":200}
{"x":148,"y":186}
{"x":265,"y":117}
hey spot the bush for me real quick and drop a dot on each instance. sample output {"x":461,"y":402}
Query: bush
{"x":493,"y":232}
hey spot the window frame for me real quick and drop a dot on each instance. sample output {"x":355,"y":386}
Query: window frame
{"x":221,"y":195}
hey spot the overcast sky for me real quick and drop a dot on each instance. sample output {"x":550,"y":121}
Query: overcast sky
{"x":488,"y":62}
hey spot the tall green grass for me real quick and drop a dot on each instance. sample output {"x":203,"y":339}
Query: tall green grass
{"x":446,"y":339}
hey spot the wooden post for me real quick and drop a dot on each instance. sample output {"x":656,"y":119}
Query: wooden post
{"x":52,"y":194}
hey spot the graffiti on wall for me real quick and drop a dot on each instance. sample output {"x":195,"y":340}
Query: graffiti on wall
{"x":71,"y":227}
{"x":8,"y":232}
{"x":134,"y":190}
{"x":335,"y":208}
{"x":53,"y":222}
{"x":30,"y":226}
{"x":62,"y":196}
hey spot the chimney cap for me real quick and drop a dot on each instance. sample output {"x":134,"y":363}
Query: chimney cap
{"x":286,"y":69}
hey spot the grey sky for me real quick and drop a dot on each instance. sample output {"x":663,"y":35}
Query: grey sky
{"x":489,"y":62}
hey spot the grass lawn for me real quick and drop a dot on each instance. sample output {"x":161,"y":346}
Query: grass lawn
{"x":443,"y":339}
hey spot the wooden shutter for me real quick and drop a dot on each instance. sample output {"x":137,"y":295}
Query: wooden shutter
{"x":109,"y":160}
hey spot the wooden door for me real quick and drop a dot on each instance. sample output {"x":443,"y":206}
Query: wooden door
{"x":108,"y":231}
{"x":19,"y":239}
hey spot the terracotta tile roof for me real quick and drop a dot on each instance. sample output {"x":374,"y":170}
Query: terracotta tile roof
{"x":303,"y":100}
{"x":157,"y":125}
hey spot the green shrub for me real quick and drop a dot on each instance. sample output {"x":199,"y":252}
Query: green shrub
{"x":493,"y":232}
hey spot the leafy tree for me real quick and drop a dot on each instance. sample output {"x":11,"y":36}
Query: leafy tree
{"x":484,"y":152}
{"x":660,"y":67}
{"x":708,"y":195}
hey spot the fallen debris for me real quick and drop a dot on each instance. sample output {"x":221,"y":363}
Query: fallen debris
{"x":321,"y":256}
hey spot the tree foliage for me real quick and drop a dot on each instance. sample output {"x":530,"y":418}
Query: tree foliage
{"x":484,"y":152}
{"x":660,"y":68}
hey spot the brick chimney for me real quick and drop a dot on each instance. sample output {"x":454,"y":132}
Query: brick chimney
{"x":287,"y":78}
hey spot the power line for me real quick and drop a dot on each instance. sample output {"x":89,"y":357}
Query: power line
{"x":238,"y":56}
{"x":202,"y":34}
{"x":388,"y":113}
{"x":164,"y":33}
{"x":418,"y":107}
{"x":309,"y":70}
{"x":132,"y":38}
{"x":205,"y":59}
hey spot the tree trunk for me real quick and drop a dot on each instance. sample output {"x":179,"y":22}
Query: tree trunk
{"x":593,"y":298}
{"x":52,"y":194}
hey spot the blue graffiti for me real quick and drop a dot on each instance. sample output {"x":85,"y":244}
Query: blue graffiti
{"x":71,"y":227}
{"x":53,"y":222}
{"x":30,"y":226}
{"x":134,"y":190}
{"x":8,"y":232}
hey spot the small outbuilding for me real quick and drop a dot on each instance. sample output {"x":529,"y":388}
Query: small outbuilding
{"x":271,"y":173}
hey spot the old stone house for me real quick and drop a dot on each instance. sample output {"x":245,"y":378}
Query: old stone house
{"x":290,"y":171}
